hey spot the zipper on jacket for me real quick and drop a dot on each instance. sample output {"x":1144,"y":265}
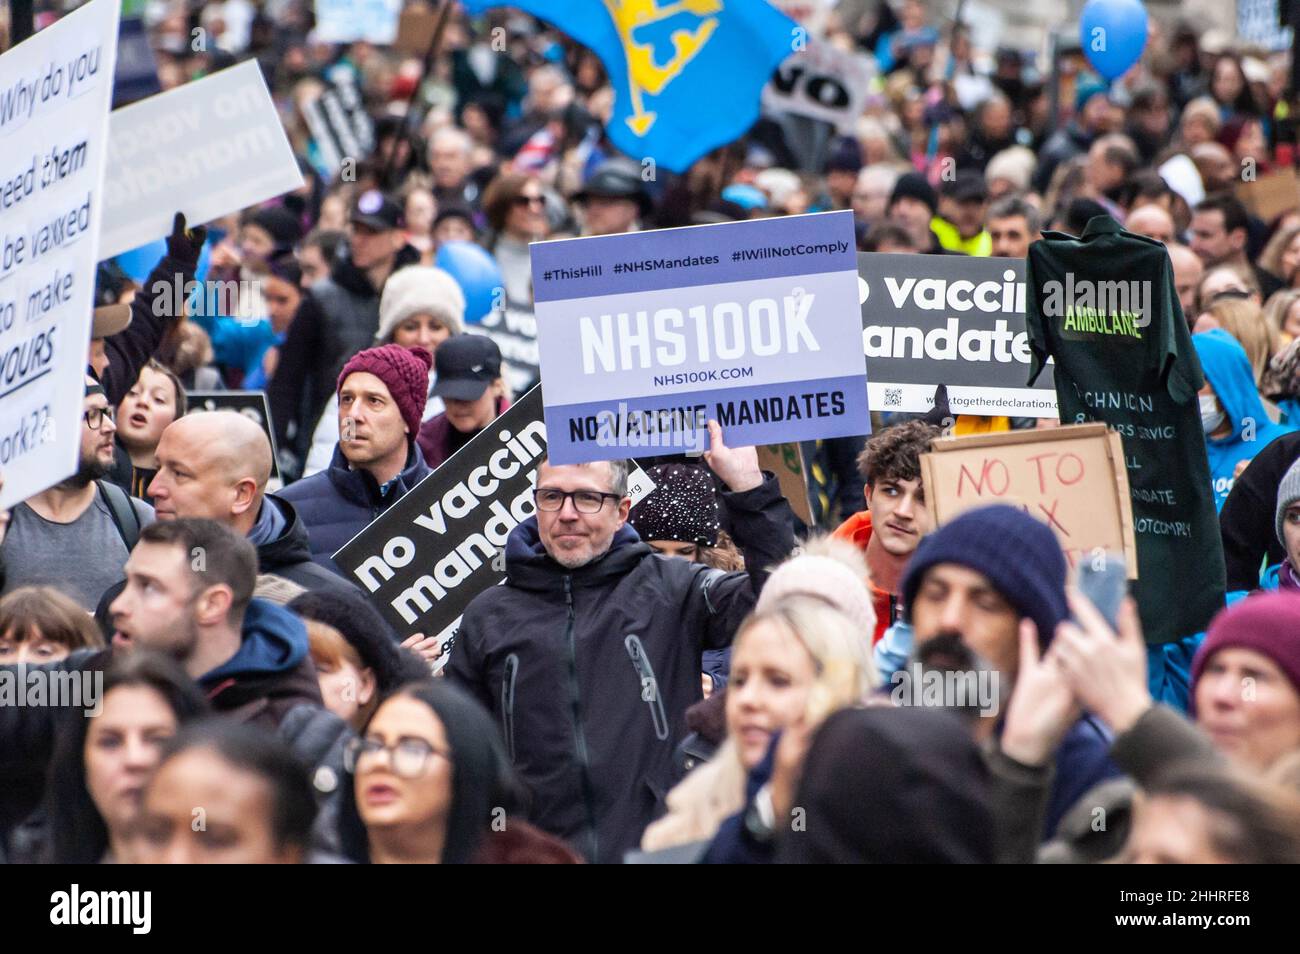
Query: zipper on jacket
{"x":575,"y":708}
{"x":649,"y":685}
{"x":508,"y":703}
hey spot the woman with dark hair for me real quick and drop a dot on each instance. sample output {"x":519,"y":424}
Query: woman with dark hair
{"x":429,"y":783}
{"x":155,"y":400}
{"x":100,"y":765}
{"x":515,"y":207}
{"x":40,"y":624}
{"x":257,"y":803}
{"x":1230,"y":89}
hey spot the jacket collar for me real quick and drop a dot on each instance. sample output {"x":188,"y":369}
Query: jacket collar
{"x":1101,"y":225}
{"x":359,"y":487}
{"x":530,"y":567}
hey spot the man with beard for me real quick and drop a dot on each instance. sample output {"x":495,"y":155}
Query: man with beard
{"x":994,"y":580}
{"x":76,"y":535}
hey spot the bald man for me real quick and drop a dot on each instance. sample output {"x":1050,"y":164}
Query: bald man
{"x":1153,"y":222}
{"x":216,"y":465}
{"x":1188,"y":272}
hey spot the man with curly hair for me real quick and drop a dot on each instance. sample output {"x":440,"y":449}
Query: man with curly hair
{"x":896,"y":518}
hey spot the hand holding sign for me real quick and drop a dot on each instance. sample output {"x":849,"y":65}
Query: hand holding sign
{"x":428,"y":648}
{"x":737,"y":467}
{"x":186,"y":244}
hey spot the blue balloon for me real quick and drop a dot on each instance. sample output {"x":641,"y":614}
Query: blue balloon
{"x":1113,"y":34}
{"x":477,"y":274}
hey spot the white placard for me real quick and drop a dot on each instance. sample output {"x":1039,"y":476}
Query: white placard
{"x":346,"y":21}
{"x":207,"y":149}
{"x":55,"y":93}
{"x":822,"y":82}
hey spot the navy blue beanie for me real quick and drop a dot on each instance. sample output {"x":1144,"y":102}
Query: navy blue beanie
{"x":1019,"y":554}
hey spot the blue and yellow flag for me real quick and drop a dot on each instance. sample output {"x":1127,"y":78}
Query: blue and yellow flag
{"x":687,"y":74}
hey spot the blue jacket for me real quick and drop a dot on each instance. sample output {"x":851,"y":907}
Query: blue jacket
{"x":1227,"y":369}
{"x":339,"y":502}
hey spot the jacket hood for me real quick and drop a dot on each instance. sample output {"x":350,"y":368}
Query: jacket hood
{"x":274,"y":642}
{"x":291,"y":546}
{"x":1228,"y":370}
{"x":528,"y":565}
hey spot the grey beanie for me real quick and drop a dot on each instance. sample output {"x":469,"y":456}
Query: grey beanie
{"x":420,"y":290}
{"x":1288,"y":492}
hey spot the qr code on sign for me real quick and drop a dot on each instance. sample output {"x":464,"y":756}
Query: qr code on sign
{"x":893,"y":397}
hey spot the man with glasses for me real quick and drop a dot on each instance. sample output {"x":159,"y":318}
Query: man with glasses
{"x":590,"y":652}
{"x":76,"y":535}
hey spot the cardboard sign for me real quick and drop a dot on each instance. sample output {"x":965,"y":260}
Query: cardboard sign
{"x":786,"y":461}
{"x":426,"y":557}
{"x":821,"y":82}
{"x":55,"y":90}
{"x":207,"y":148}
{"x":347,"y":21}
{"x":1072,"y":478}
{"x":1271,"y":195}
{"x":949,"y":319}
{"x":645,"y":337}
{"x":415,"y":29}
{"x":252,"y":404}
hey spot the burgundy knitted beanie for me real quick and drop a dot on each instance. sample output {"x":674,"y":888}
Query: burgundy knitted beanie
{"x":405,"y":372}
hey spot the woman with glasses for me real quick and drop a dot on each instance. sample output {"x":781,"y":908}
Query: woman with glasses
{"x":516,"y":212}
{"x":428,"y":783}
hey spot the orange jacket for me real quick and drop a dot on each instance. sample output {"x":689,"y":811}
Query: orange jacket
{"x":857,"y":530}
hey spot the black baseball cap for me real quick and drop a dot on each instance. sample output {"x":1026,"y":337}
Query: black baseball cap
{"x":377,"y":211}
{"x":466,"y":365}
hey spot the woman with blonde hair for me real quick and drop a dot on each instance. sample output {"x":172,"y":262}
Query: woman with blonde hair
{"x":1282,"y":315}
{"x":1244,"y":320}
{"x":794,"y":660}
{"x":1281,"y":255}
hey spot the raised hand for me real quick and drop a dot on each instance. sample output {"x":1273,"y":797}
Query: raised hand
{"x":1042,"y":706}
{"x":737,"y":467}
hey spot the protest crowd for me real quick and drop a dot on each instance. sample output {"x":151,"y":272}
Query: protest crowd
{"x":792,"y":649}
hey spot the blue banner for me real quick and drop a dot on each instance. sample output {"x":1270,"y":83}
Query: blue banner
{"x":687,"y":75}
{"x":644,"y":338}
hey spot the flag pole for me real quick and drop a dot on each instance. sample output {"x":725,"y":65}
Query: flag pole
{"x":439,"y":27}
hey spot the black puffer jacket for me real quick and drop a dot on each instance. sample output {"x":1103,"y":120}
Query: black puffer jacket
{"x":336,"y":319}
{"x":590,"y":671}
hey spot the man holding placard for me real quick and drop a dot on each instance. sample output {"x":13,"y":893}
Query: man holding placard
{"x":591,"y":651}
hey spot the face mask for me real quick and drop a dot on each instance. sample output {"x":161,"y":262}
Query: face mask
{"x":1211,"y":414}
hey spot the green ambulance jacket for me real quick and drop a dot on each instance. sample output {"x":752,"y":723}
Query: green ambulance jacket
{"x":1105,"y":308}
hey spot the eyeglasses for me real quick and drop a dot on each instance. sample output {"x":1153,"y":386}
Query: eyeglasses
{"x":94,"y":416}
{"x":584,"y":501}
{"x":523,"y":200}
{"x":407,"y":757}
